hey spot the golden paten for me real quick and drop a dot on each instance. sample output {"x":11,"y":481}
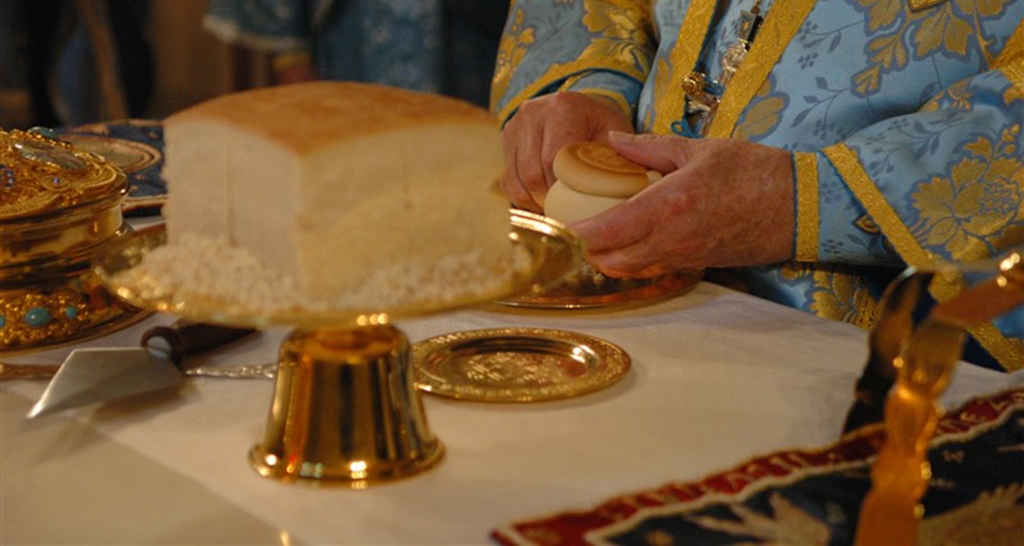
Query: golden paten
{"x":517,"y":364}
{"x":59,"y":206}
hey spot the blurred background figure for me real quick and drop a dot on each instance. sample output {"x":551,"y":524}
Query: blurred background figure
{"x":439,"y":46}
{"x":68,"y":62}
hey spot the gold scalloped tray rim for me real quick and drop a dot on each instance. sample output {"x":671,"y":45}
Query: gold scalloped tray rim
{"x":613,"y":364}
{"x":553,"y":250}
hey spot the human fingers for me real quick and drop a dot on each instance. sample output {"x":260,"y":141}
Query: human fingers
{"x":663,"y":153}
{"x":530,"y":168}
{"x":616,"y":227}
{"x":510,"y":183}
{"x":635,"y":261}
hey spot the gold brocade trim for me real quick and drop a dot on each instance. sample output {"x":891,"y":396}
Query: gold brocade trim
{"x":618,"y":98}
{"x":554,"y":74}
{"x":1014,"y":47}
{"x":780,"y":26}
{"x":1014,"y":71}
{"x":848,"y":164}
{"x":807,"y":229}
{"x":1009,"y":353}
{"x":669,"y":102}
{"x":916,"y":5}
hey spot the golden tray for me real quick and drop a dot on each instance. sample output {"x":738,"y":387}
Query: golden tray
{"x":517,"y":364}
{"x":587,"y":288}
{"x":553,"y":253}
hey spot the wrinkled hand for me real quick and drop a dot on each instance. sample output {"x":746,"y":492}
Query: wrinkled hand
{"x":722,"y":203}
{"x":540,"y":128}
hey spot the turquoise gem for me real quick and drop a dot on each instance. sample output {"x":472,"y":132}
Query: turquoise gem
{"x":3,"y":321}
{"x":37,"y":316}
{"x":71,"y":311}
{"x":45,"y":131}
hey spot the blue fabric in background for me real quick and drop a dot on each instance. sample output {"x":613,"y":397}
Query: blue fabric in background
{"x":437,"y":46}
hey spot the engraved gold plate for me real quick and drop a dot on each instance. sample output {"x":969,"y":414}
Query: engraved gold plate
{"x":517,"y":365}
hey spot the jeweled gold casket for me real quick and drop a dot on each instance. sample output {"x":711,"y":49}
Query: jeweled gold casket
{"x":59,"y":207}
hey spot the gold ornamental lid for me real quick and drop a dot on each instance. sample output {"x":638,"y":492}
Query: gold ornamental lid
{"x":58,"y":204}
{"x":40,"y":175}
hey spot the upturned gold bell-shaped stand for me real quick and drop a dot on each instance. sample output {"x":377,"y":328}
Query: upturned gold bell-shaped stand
{"x":346,"y":410}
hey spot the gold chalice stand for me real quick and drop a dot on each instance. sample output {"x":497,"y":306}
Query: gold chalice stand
{"x":346,"y":410}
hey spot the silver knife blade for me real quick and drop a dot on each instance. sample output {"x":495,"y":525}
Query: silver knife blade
{"x":91,"y":376}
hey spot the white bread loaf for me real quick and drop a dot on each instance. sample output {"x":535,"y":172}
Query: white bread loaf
{"x":331,"y":183}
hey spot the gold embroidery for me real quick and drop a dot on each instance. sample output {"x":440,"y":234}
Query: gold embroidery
{"x":975,"y":203}
{"x":867,"y":225}
{"x":622,"y":47}
{"x":511,"y":50}
{"x":617,"y":98}
{"x":783,"y":21}
{"x":994,"y":517}
{"x":1014,"y":48}
{"x":922,"y":4}
{"x":662,"y":83}
{"x":1014,"y":71}
{"x":846,"y":162}
{"x":1009,"y":352}
{"x":556,"y":73}
{"x":842,"y":295}
{"x":763,"y":114}
{"x":625,"y":28}
{"x":669,"y":102}
{"x":939,"y":29}
{"x":807,"y":230}
{"x":787,"y":524}
{"x":943,"y":29}
{"x":881,"y":13}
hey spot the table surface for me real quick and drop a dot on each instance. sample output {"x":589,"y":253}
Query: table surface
{"x":718,"y":377}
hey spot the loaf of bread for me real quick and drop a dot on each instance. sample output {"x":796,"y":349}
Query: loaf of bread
{"x":592,"y":178}
{"x":343,"y":188}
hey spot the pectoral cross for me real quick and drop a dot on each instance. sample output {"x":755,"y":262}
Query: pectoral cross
{"x":702,"y":93}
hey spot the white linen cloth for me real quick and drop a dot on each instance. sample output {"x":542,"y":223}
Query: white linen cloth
{"x":717,"y":377}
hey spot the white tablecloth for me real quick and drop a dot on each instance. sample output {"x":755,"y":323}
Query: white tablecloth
{"x":717,"y":377}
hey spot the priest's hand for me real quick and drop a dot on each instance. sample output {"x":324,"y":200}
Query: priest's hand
{"x":722,"y":203}
{"x":540,"y":128}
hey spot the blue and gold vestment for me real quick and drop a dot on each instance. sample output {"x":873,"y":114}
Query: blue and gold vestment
{"x":903,"y":117}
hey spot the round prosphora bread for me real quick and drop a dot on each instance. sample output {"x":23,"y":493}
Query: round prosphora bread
{"x":592,"y":178}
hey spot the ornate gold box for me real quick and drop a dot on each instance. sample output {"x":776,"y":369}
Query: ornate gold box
{"x":59,"y":207}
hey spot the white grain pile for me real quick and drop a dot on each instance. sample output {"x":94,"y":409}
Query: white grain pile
{"x":196,"y":268}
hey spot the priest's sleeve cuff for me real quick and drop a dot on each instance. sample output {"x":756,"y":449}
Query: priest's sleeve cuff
{"x":805,"y":169}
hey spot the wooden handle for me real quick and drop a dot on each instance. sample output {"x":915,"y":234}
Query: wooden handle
{"x":185,"y":338}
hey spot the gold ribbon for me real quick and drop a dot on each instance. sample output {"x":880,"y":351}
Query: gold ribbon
{"x":780,"y":26}
{"x":807,"y":231}
{"x":671,"y":101}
